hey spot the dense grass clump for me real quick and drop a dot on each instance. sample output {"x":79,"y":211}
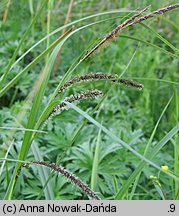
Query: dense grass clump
{"x":89,"y":58}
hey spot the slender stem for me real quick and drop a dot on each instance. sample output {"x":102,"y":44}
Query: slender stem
{"x":6,"y":11}
{"x":60,"y":51}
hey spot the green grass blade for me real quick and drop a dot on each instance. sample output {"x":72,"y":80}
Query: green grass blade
{"x":94,"y":173}
{"x":44,"y":78}
{"x":43,"y":54}
{"x":43,"y":173}
{"x":174,"y":118}
{"x":129,"y":63}
{"x":150,"y":44}
{"x":77,"y":132}
{"x":159,"y":190}
{"x":156,"y":126}
{"x":155,"y":79}
{"x":151,"y":155}
{"x":70,"y":70}
{"x":28,"y":67}
{"x":20,"y":44}
{"x":65,"y":26}
{"x":171,"y":22}
{"x":22,"y":129}
{"x":165,"y":41}
{"x":123,"y":144}
{"x":149,"y":145}
{"x":35,"y":61}
{"x":6,"y":155}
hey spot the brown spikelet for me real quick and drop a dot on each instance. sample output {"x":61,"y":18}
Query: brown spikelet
{"x":157,"y":12}
{"x":129,"y":22}
{"x":72,"y":99}
{"x":87,"y":77}
{"x":115,"y":32}
{"x":130,"y":83}
{"x":75,"y":98}
{"x":111,"y":35}
{"x":71,"y":177}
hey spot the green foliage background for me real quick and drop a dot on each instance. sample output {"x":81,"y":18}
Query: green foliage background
{"x":128,"y":113}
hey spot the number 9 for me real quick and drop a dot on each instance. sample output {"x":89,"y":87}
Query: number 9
{"x":172,"y":207}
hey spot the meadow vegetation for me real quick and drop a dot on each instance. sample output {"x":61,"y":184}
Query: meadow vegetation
{"x":90,"y":90}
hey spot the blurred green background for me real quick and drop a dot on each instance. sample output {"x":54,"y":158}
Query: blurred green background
{"x":128,"y":113}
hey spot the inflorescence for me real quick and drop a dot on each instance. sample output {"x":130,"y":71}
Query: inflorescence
{"x":75,"y":98}
{"x":129,"y":22}
{"x":71,"y":177}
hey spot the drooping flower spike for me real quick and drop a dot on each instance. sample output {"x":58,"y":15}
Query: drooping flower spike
{"x":129,"y":22}
{"x":71,"y":177}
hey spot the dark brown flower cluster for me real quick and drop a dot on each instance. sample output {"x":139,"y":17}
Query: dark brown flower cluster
{"x":129,"y":22}
{"x":75,"y":98}
{"x":87,"y":77}
{"x":71,"y":177}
